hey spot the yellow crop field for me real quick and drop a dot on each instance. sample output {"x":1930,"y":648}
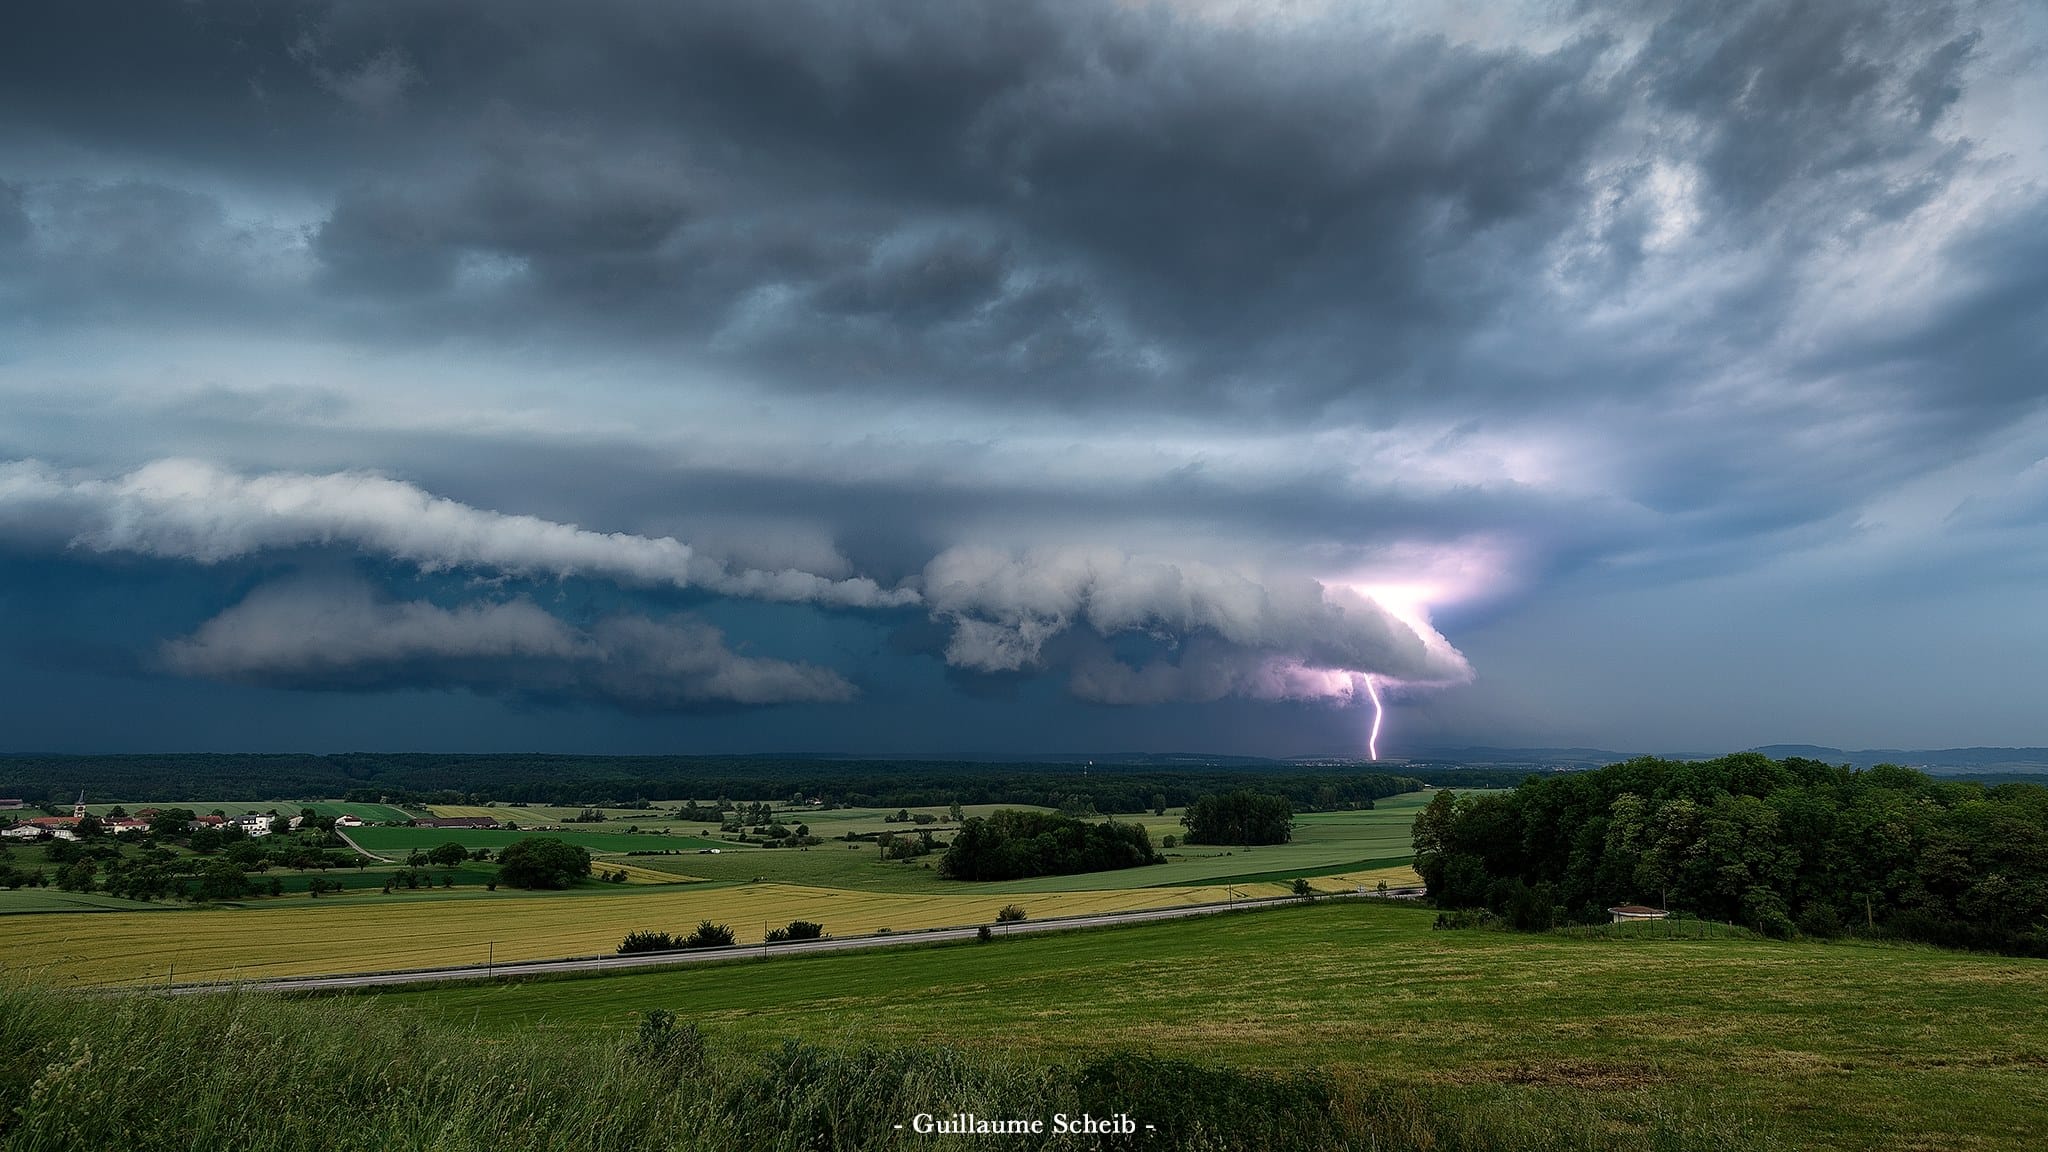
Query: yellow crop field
{"x":371,"y":934}
{"x":1398,"y":876}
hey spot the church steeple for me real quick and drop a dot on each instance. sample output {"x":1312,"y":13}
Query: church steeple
{"x":78,"y":809}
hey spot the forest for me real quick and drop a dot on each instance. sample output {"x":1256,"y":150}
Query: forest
{"x":1785,"y":847}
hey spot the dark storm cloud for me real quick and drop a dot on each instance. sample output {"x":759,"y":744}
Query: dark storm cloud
{"x":340,"y":635}
{"x":1169,"y":320}
{"x":1787,"y":93}
{"x":1096,"y":203}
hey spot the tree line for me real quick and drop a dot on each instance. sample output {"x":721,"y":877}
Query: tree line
{"x":1781,"y":846}
{"x":628,"y":781}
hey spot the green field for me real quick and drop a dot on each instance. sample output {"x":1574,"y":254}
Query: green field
{"x":1324,"y":843}
{"x":399,"y":841}
{"x":1829,"y":1045}
{"x":24,"y":900}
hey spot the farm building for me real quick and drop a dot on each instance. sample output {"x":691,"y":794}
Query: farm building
{"x":455,"y":822}
{"x":1623,"y":913}
{"x":12,"y":805}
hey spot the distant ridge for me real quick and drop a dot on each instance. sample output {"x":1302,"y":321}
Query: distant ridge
{"x":1525,"y":757}
{"x":1938,"y":760}
{"x":1932,"y":759}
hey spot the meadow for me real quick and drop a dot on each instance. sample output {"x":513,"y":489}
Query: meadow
{"x":845,"y":886}
{"x":1326,"y":844}
{"x":21,"y":901}
{"x":400,"y":841}
{"x":1812,"y":1045}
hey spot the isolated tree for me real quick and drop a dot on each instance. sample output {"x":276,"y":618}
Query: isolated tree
{"x":448,"y":855}
{"x":542,"y":862}
{"x":1240,"y":817}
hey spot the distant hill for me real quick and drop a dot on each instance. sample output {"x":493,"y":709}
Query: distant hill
{"x":1942,"y":761}
{"x":1482,"y":757}
{"x":1928,"y":759}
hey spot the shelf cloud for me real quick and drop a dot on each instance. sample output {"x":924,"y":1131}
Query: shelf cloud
{"x":341,"y":635}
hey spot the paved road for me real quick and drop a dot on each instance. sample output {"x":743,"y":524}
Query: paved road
{"x":712,"y":955}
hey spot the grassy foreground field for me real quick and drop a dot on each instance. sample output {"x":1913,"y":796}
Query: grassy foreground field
{"x":1809,"y":1045}
{"x":171,"y":1074}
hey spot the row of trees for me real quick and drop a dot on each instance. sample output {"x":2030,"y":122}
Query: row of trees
{"x":1782,"y":846}
{"x":1012,"y":844}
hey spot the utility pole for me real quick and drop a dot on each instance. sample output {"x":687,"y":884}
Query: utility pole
{"x":491,"y":958}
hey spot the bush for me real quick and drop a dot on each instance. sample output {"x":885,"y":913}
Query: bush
{"x":1010,"y":914}
{"x":984,"y":934}
{"x":664,"y":1043}
{"x":797,"y":930}
{"x":709,"y":935}
{"x":647,"y":942}
{"x":1820,"y":921}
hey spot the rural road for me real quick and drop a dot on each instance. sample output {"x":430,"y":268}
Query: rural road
{"x":713,"y":955}
{"x":359,"y":848}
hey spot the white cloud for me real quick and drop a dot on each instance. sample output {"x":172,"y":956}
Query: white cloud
{"x":191,"y":510}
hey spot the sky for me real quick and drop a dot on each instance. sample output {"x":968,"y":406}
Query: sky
{"x":1045,"y":376}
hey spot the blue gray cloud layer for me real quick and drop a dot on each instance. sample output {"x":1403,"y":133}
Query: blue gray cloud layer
{"x":1174,"y":352}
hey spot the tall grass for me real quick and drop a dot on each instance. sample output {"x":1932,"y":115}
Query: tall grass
{"x":249,"y":1071}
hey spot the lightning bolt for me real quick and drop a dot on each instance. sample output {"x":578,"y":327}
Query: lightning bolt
{"x":1379,"y":713}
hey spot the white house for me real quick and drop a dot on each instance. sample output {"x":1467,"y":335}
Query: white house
{"x":252,"y":823}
